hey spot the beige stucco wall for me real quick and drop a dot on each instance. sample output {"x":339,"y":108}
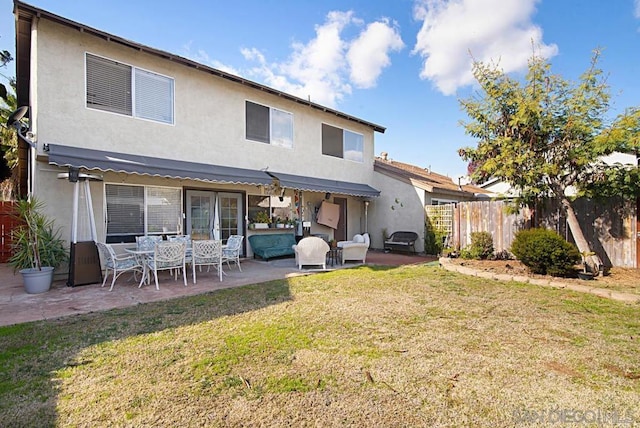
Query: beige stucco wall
{"x":400,"y":207}
{"x":209,"y":114}
{"x":209,"y":128}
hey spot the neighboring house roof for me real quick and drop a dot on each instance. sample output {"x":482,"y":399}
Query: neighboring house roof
{"x":25,"y":13}
{"x":425,"y":179}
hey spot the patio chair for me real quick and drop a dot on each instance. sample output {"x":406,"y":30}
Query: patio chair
{"x":231,"y":253}
{"x":311,"y":251}
{"x":206,"y":253}
{"x":182,"y":238}
{"x":168,"y":256}
{"x":356,"y":249}
{"x":117,"y":264}
{"x":147,"y":242}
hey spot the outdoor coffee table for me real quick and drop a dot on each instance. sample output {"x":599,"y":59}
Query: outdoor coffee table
{"x":334,"y":256}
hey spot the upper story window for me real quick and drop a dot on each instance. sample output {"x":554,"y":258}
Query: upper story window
{"x":269,"y":125}
{"x":342,"y":143}
{"x":120,"y":88}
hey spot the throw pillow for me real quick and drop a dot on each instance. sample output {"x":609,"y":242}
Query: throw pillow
{"x":366,"y":239}
{"x":358,"y":239}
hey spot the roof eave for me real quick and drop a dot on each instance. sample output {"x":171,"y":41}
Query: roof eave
{"x":26,"y":10}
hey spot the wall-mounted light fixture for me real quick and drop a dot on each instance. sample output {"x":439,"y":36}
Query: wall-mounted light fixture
{"x":327,"y":195}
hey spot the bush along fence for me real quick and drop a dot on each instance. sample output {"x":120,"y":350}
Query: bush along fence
{"x":611,"y":228}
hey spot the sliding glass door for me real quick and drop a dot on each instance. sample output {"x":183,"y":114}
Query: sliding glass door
{"x":214,"y":214}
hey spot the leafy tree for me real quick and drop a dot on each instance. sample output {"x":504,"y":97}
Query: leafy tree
{"x":544,"y":135}
{"x":8,"y":138}
{"x":5,"y":58}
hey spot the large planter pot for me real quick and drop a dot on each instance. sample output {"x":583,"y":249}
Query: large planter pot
{"x":36,"y":280}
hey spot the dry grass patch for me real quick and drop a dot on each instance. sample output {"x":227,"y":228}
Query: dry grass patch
{"x":410,"y":346}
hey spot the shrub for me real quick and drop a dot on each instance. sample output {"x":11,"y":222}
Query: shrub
{"x":545,"y":252}
{"x":434,"y":238}
{"x":481,"y":246}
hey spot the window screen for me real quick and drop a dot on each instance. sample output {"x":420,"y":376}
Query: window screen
{"x":257,"y":122}
{"x":331,"y":141}
{"x":108,"y":85}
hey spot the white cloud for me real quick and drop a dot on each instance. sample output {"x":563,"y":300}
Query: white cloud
{"x":489,"y":30}
{"x":636,"y":8}
{"x":369,"y":53}
{"x":203,"y":57}
{"x":325,"y":68}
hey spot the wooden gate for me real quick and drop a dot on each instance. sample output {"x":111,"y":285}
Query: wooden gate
{"x":7,"y":223}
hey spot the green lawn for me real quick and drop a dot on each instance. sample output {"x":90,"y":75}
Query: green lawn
{"x":409,"y":346}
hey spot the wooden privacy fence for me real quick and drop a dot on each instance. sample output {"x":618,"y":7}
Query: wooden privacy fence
{"x":610,"y":228}
{"x":7,"y":224}
{"x":488,"y":216}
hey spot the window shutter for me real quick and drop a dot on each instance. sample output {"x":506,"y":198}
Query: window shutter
{"x":164,"y":210}
{"x":257,"y":122}
{"x":108,"y":85}
{"x":154,"y":96}
{"x":125,"y":210}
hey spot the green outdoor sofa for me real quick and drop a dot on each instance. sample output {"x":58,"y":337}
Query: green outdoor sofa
{"x":268,"y":246}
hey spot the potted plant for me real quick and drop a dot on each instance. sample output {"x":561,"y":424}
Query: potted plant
{"x":37,"y":249}
{"x":262,"y":220}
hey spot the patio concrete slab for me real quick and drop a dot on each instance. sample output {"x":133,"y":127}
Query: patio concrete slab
{"x":16,"y":306}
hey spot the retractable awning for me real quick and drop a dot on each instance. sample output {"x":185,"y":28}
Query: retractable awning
{"x":324,"y":185}
{"x":101,"y":160}
{"x":90,"y":159}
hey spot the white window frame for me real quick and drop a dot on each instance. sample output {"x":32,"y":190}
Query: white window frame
{"x":439,"y":201}
{"x":176,"y":221}
{"x":276,"y":138}
{"x":163,"y":113}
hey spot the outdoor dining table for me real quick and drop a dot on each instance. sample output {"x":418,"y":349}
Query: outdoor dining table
{"x":143,"y":257}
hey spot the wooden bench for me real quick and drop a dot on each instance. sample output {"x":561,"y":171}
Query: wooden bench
{"x":404,"y":241}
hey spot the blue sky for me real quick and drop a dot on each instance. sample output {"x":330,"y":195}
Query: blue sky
{"x":403,"y":64}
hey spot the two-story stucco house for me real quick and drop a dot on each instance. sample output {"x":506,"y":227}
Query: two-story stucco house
{"x":168,"y":139}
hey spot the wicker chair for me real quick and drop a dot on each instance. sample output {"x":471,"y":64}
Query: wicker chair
{"x":206,"y":253}
{"x":147,"y":242}
{"x":231,"y":253}
{"x":311,"y":251}
{"x":168,"y":255}
{"x":117,"y":264}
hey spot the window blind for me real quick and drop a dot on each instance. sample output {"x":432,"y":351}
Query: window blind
{"x":164,"y":210}
{"x":108,"y":85}
{"x":154,"y":96}
{"x":125,"y":210}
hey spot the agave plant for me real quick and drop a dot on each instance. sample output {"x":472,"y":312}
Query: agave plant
{"x":36,"y":242}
